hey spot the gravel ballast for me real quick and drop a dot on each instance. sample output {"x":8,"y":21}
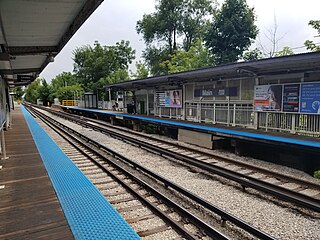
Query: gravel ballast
{"x":278,"y":220}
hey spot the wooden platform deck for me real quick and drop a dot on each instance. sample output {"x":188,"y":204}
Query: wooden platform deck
{"x":29,"y":208}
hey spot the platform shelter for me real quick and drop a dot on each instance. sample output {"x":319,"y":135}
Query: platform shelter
{"x":274,"y":94}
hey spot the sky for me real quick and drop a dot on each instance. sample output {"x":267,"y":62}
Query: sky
{"x":114,"y":21}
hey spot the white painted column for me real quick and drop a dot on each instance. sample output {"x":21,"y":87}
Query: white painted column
{"x":3,"y":146}
{"x":147,"y":102}
{"x":184,"y":105}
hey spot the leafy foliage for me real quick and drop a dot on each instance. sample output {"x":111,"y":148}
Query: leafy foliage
{"x":197,"y":57}
{"x":68,"y":92}
{"x":312,"y":46}
{"x":44,"y":92}
{"x":317,"y":174}
{"x":154,"y":56}
{"x":284,"y":52}
{"x":174,"y":22}
{"x":195,"y":20}
{"x":32,"y":92}
{"x":18,"y":93}
{"x":164,"y":24}
{"x":232,"y":31}
{"x":252,"y":55}
{"x":142,"y":71}
{"x":94,"y":63}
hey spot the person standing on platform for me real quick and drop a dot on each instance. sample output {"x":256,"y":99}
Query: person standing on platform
{"x":134,"y":105}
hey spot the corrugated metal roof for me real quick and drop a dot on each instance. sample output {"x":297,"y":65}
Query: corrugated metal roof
{"x":32,"y":32}
{"x":298,"y":63}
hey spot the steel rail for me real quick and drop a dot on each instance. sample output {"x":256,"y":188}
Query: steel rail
{"x":243,"y":180}
{"x":225,"y":216}
{"x":195,"y":220}
{"x":215,"y":156}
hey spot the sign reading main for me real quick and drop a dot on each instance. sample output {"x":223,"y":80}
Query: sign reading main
{"x":216,"y":92}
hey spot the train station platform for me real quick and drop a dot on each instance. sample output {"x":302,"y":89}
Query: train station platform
{"x":218,"y":130}
{"x":44,"y":195}
{"x":296,"y":151}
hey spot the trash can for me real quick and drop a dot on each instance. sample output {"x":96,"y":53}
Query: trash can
{"x":130,"y":108}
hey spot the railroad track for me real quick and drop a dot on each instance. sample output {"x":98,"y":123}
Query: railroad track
{"x":264,"y":180}
{"x":112,"y":178}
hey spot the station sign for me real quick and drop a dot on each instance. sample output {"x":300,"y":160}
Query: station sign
{"x":24,"y":78}
{"x":216,"y":92}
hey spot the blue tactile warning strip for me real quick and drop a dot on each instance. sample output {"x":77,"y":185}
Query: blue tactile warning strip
{"x":88,"y":213}
{"x":214,"y":129}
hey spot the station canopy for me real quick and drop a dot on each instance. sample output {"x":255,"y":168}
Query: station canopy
{"x":33,"y":32}
{"x":293,"y":65}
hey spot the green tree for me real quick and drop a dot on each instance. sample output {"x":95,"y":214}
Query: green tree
{"x":142,"y":71}
{"x":252,"y":55}
{"x":311,"y":45}
{"x":285,"y":52}
{"x":232,"y":31}
{"x":197,"y":56}
{"x":195,"y":20}
{"x":93,"y":63}
{"x":164,"y":24}
{"x":44,"y":92}
{"x":69,"y":92}
{"x":61,"y":80}
{"x":32,"y":92}
{"x":154,"y":56}
{"x":120,"y":75}
{"x":18,"y":93}
{"x":64,"y":79}
{"x":175,"y":23}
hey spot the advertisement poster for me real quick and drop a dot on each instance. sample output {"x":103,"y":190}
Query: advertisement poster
{"x":310,"y":98}
{"x":160,"y":99}
{"x":173,"y":98}
{"x":268,"y":98}
{"x":291,"y":94}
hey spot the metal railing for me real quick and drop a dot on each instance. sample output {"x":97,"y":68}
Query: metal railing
{"x":243,"y":115}
{"x":69,"y":102}
{"x":168,"y":112}
{"x":302,"y":124}
{"x":235,"y":114}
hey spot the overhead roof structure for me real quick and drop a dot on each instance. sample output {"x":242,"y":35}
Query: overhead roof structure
{"x":293,"y":64}
{"x":33,"y":32}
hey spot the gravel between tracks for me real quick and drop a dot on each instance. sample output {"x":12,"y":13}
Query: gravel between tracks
{"x":280,"y":222}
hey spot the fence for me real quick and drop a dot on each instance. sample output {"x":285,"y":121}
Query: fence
{"x":238,"y":114}
{"x":235,"y":114}
{"x":168,"y":112}
{"x":69,"y":102}
{"x":302,"y":124}
{"x":243,"y":115}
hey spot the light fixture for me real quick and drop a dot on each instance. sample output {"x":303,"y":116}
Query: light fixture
{"x":50,"y":58}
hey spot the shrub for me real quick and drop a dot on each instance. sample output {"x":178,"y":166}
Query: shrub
{"x":317,"y":174}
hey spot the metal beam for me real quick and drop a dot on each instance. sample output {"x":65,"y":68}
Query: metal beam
{"x":21,"y":83}
{"x":82,"y":16}
{"x":4,"y":57}
{"x":17,"y":71}
{"x":32,"y":50}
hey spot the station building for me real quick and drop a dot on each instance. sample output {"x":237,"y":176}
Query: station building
{"x":276,"y":94}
